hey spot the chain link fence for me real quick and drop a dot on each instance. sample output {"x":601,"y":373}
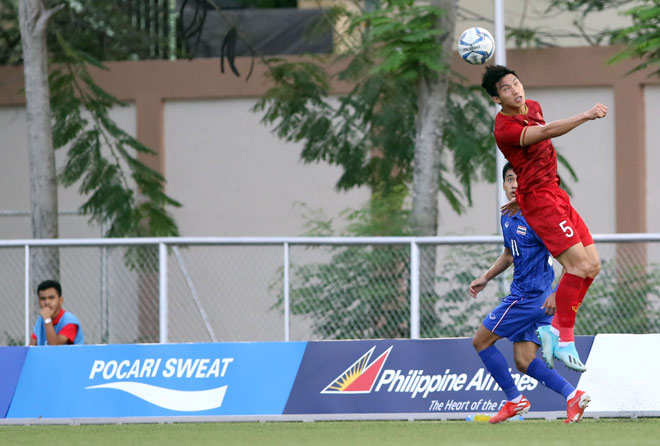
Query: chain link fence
{"x":274,"y":289}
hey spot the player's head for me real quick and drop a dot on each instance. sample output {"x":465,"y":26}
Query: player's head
{"x":509,"y":181}
{"x":49,"y":293}
{"x":504,"y":86}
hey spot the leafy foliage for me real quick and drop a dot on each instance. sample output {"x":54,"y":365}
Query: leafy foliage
{"x":100,"y":156}
{"x":370,"y":132}
{"x":106,"y":30}
{"x":643,"y":37}
{"x":363,"y":291}
{"x":10,"y":34}
{"x":540,"y":37}
{"x":524,"y":37}
{"x":450,"y":311}
{"x":100,"y":153}
{"x":586,"y":6}
{"x":111,"y":30}
{"x":619,"y":301}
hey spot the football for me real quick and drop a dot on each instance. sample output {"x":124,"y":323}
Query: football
{"x":476,"y":45}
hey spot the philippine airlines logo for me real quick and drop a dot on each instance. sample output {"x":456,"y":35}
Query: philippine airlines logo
{"x":360,"y":376}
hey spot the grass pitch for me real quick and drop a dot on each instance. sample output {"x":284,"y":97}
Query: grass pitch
{"x":603,"y":432}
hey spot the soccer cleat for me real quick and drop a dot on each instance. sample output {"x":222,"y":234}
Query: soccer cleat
{"x":510,"y":410}
{"x":569,"y":356}
{"x":548,"y":344}
{"x":576,"y":406}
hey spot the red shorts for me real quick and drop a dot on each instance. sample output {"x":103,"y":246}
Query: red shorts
{"x":550,"y":214}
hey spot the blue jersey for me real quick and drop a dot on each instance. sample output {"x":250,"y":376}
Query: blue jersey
{"x":66,"y":319}
{"x":532,"y":263}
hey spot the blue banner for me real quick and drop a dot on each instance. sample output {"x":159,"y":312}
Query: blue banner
{"x":156,"y":380}
{"x":11,"y":364}
{"x":406,"y":376}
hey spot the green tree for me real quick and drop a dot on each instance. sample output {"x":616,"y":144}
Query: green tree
{"x":371,"y":132}
{"x":642,"y":39}
{"x":403,"y":127}
{"x":122,"y":194}
{"x":33,"y":22}
{"x":618,"y":301}
{"x":66,"y":108}
{"x":363,"y":291}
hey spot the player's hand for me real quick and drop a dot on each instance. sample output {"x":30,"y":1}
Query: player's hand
{"x":597,"y":111}
{"x":477,"y":285}
{"x":46,"y":312}
{"x":549,"y":305}
{"x":510,"y":208}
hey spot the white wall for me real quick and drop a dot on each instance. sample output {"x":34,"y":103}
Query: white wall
{"x":235,"y":178}
{"x":652,"y":106}
{"x":555,"y":27}
{"x":15,"y":176}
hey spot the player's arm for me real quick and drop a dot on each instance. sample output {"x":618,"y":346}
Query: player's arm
{"x":510,"y":208}
{"x":54,"y":338}
{"x":501,"y":264}
{"x":537,"y":133}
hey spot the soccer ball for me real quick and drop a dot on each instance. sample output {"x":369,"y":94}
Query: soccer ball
{"x":476,"y":45}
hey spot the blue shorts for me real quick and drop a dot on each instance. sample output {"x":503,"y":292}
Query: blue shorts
{"x":517,"y":318}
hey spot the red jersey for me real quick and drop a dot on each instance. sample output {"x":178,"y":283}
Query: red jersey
{"x":535,"y":165}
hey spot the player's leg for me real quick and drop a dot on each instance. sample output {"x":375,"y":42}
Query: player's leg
{"x":593,"y":260}
{"x":549,"y":213}
{"x":581,"y":263}
{"x":594,"y":270}
{"x":568,"y":301}
{"x":494,"y":361}
{"x":524,"y":354}
{"x":505,"y":319}
{"x":548,"y":335}
{"x":576,"y":268}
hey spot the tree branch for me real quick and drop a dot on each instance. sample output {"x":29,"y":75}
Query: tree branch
{"x":102,"y":132}
{"x":42,"y":22}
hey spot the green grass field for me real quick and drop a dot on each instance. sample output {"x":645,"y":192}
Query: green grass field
{"x":603,"y":432}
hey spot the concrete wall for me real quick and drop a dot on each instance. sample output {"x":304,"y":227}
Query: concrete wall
{"x":239,"y":179}
{"x":652,"y":137}
{"x":15,"y":175}
{"x":235,"y":178}
{"x":556,"y":27}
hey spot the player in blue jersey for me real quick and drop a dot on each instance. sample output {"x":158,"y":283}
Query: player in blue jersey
{"x":530,"y":305}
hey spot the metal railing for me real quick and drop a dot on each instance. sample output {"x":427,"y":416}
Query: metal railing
{"x":323,"y":288}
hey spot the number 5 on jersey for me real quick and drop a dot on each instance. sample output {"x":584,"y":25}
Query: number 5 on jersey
{"x":567,"y":229}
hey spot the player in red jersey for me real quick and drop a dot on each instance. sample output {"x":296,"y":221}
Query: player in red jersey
{"x":523,"y":136}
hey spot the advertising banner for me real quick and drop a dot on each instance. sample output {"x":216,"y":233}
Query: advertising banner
{"x":411,"y":376}
{"x":156,"y":380}
{"x":11,"y":364}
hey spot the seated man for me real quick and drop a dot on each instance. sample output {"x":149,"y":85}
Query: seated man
{"x":54,"y":326}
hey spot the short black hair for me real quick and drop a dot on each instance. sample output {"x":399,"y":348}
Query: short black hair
{"x":50,"y":284}
{"x":492,"y":75}
{"x":505,"y":169}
